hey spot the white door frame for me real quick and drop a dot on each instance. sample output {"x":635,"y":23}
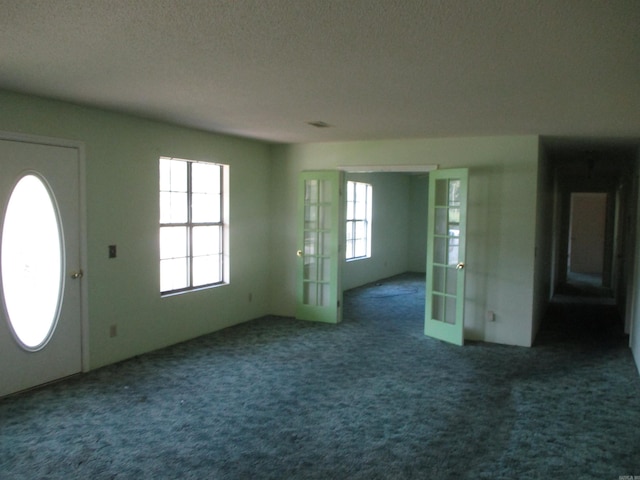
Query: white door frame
{"x":79,"y":146}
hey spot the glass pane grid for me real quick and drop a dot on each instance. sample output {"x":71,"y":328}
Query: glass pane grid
{"x":191,"y":225}
{"x":443,"y":307}
{"x":317,"y":231}
{"x":358,"y":241}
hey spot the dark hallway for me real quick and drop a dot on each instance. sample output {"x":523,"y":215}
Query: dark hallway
{"x":582,"y":314}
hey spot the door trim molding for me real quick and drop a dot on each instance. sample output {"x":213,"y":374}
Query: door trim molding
{"x":80,"y":148}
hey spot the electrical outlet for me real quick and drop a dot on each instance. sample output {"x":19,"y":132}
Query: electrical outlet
{"x":113,"y":331}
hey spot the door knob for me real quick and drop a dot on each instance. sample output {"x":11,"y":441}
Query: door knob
{"x":460,"y":266}
{"x":299,"y":253}
{"x":76,"y":275}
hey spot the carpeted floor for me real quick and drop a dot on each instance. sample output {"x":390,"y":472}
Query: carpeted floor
{"x":371,"y":398}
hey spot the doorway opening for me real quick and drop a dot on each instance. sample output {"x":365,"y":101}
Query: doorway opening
{"x":388,"y":287}
{"x":586,"y":246}
{"x":394,"y":304}
{"x":592,"y":195}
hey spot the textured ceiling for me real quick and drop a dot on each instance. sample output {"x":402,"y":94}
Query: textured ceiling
{"x":371,"y":69}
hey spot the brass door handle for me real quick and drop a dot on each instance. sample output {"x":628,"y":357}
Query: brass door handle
{"x":77,"y":275}
{"x":460,"y":266}
{"x":299,"y":253}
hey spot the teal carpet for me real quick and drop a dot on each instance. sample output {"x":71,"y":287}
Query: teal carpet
{"x":371,"y":398}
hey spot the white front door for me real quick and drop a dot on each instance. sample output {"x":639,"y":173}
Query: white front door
{"x":40,"y":276}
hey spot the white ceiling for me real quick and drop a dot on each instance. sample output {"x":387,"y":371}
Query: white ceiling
{"x":372,"y":69}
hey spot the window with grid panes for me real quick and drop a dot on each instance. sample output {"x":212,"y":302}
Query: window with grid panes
{"x":192,"y":225}
{"x":359,"y":203}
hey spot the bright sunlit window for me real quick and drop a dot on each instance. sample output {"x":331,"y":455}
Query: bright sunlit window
{"x":193,"y":225}
{"x":32,"y":262}
{"x":359,"y":203}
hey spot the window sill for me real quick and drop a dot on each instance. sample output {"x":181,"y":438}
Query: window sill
{"x":174,"y":293}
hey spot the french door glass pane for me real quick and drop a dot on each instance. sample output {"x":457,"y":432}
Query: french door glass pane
{"x":317,"y":233}
{"x":326,"y":192}
{"x":450,"y":310}
{"x":309,"y":294}
{"x":310,"y":217}
{"x":311,"y":191}
{"x":440,"y":250}
{"x":324,"y":294}
{"x":452,"y":281}
{"x":441,"y":222}
{"x":324,"y":215}
{"x":310,"y":269}
{"x":439,"y":276}
{"x":454,"y":192}
{"x":441,"y":192}
{"x":310,"y":243}
{"x":437,"y":308}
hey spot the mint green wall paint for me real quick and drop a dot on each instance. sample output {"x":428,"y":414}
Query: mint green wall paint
{"x":122,"y":181}
{"x":122,"y":208}
{"x":391,"y":207}
{"x":501,"y":219}
{"x":419,"y":196}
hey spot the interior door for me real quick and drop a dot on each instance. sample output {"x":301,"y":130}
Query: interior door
{"x":319,"y":233}
{"x":40,"y":276}
{"x":447,"y":213}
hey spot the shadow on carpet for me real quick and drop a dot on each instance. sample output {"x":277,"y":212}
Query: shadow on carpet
{"x":371,"y":398}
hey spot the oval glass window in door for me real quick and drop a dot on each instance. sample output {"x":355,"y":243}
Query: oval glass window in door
{"x":31,"y":262}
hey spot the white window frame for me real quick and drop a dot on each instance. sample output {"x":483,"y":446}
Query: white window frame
{"x":184,"y":211}
{"x":358,"y":223}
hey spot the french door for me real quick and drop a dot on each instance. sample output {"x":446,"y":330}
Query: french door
{"x":446,"y":234}
{"x":320,"y":217}
{"x":40,"y":276}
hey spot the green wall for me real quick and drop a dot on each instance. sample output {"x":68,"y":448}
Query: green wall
{"x":389,"y":230}
{"x":121,"y":155}
{"x":122,"y":208}
{"x":419,"y":200}
{"x":400,"y":207}
{"x":501,"y":219}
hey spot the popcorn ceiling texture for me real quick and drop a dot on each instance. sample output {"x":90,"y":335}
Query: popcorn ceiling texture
{"x":371,"y":69}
